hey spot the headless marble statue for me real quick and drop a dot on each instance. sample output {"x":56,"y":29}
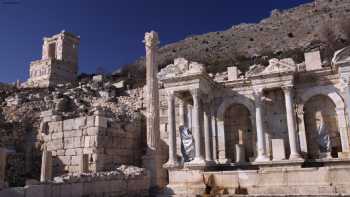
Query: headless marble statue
{"x":187,"y":144}
{"x":324,"y":141}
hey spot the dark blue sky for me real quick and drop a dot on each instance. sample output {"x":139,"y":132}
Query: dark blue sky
{"x":112,"y":30}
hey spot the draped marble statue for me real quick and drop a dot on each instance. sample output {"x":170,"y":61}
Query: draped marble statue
{"x":324,"y":141}
{"x":187,"y":144}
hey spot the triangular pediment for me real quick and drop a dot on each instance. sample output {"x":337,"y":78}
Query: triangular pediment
{"x":280,"y":66}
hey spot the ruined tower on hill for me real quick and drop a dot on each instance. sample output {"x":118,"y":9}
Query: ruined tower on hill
{"x":59,"y":62}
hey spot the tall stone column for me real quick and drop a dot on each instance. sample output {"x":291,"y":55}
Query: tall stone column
{"x":151,"y":159}
{"x":261,"y":151}
{"x":292,"y":134}
{"x":199,"y":159}
{"x":207,"y":141}
{"x":172,"y":162}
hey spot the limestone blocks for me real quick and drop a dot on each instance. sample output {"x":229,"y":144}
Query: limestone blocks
{"x":92,"y":143}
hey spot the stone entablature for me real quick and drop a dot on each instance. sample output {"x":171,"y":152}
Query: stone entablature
{"x":59,"y":63}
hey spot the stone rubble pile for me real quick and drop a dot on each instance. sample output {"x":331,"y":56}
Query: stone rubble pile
{"x":123,"y":172}
{"x":20,"y":120}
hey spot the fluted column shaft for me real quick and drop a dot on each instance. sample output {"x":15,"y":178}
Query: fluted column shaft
{"x":292,"y":134}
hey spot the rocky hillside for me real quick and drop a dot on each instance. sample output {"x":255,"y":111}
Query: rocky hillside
{"x":324,"y":23}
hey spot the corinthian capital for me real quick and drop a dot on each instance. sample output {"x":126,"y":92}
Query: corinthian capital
{"x":151,"y":39}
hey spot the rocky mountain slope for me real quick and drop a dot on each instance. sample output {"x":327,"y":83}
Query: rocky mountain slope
{"x":285,"y":33}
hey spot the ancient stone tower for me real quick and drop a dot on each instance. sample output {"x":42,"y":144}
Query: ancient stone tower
{"x":59,"y":62}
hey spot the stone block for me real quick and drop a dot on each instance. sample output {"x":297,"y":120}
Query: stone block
{"x":278,"y":150}
{"x":55,"y":127}
{"x":69,"y":143}
{"x":56,"y":136}
{"x":232,"y":73}
{"x":70,"y":152}
{"x":90,"y":121}
{"x":80,"y":122}
{"x":313,"y":60}
{"x":92,"y":131}
{"x":66,"y":160}
{"x":101,"y":121}
{"x":75,"y":160}
{"x":74,"y":133}
{"x":68,"y":125}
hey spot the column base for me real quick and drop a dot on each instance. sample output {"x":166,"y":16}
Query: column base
{"x":295,"y":157}
{"x":197,"y":162}
{"x":223,"y":161}
{"x":262,"y":158}
{"x":172,"y":165}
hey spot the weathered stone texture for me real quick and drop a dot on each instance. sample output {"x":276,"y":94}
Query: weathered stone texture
{"x":104,"y":141}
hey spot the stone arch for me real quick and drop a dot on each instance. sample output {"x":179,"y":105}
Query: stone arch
{"x":332,"y":94}
{"x":227,"y":102}
{"x":326,"y":91}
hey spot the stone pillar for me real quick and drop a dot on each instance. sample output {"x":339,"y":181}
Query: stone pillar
{"x":302,"y":130}
{"x":151,"y":160}
{"x":214,"y":134}
{"x":172,"y":162}
{"x":343,"y":131}
{"x":207,"y":142}
{"x":292,"y":133}
{"x":198,"y":160}
{"x":189,"y":117}
{"x":182,"y":113}
{"x":46,"y":166}
{"x":84,"y":163}
{"x":261,"y":151}
{"x":3,"y":161}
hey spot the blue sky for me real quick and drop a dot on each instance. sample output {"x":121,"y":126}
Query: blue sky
{"x":111,"y":31}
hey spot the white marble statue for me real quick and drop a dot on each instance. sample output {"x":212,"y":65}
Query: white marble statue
{"x":187,"y":144}
{"x":324,"y":141}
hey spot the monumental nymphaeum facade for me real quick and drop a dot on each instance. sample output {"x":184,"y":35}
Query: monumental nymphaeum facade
{"x":273,"y":121}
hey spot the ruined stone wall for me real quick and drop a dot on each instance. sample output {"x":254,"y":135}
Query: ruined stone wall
{"x":128,"y":182}
{"x":107,"y":142}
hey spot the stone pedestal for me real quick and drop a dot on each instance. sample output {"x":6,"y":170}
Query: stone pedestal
{"x":278,"y":150}
{"x":240,"y":153}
